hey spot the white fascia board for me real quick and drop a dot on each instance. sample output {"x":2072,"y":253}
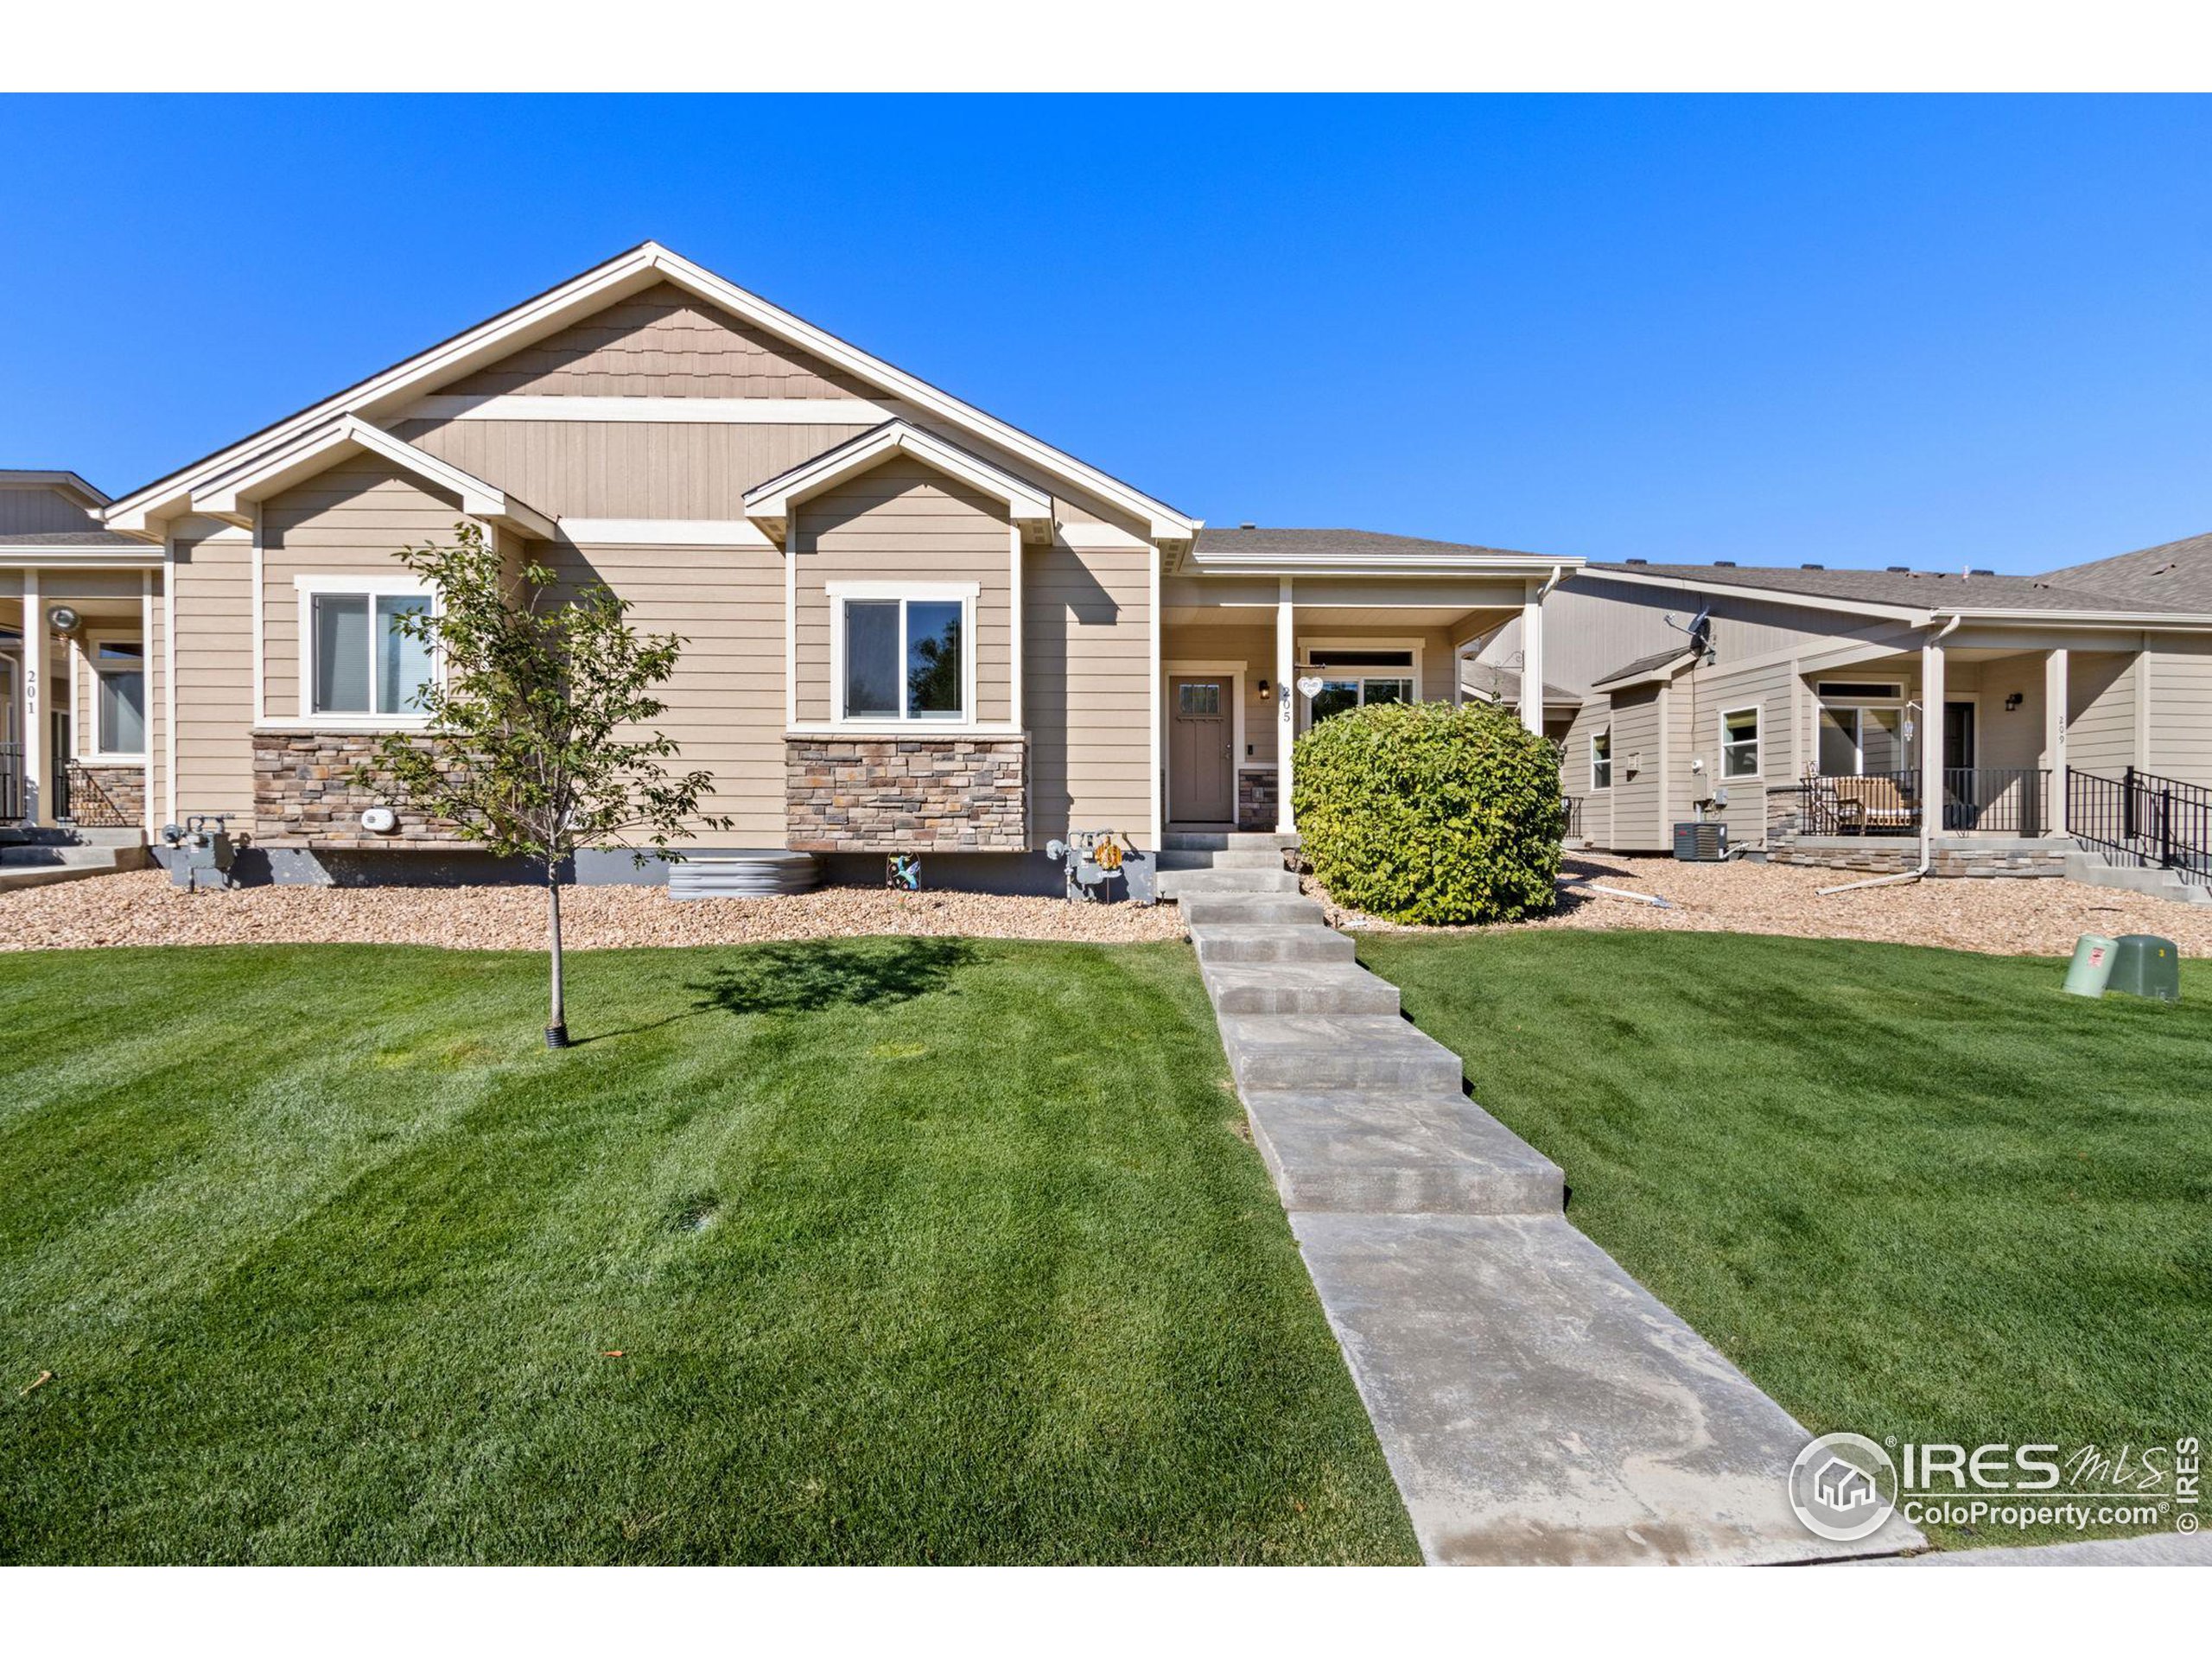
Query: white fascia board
{"x":632,"y":272}
{"x":232,"y":493}
{"x":1375,"y":564}
{"x":663,"y":532}
{"x":2181,"y":622}
{"x":61,"y":479}
{"x":770,"y":504}
{"x":1809,"y":601}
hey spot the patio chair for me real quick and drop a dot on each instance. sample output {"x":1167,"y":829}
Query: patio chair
{"x":1867,"y":803}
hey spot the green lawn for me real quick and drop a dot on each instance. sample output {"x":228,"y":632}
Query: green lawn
{"x":1912,"y":1192}
{"x":889,"y":1251}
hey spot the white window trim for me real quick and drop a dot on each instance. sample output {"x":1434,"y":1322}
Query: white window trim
{"x":1607,"y":735}
{"x":373,"y":588}
{"x":1757,"y":773}
{"x":965,"y":593}
{"x":87,"y":743}
{"x":1306,"y":647}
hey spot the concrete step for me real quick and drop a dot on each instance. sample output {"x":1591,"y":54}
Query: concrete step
{"x":50,"y":855}
{"x":1231,"y":858}
{"x":13,"y":876}
{"x":2091,"y":868}
{"x":1219,"y":943}
{"x":1225,"y":841}
{"x":1298,"y":988}
{"x":1398,"y":1155}
{"x":1332,"y":1052}
{"x":1276,"y":909}
{"x":1537,"y":1405}
{"x":1181,"y":884}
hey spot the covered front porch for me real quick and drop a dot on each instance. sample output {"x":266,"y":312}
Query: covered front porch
{"x":78,"y":722}
{"x":1250,"y":658}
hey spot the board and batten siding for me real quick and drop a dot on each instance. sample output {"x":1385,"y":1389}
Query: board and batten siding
{"x":1087,"y":689}
{"x":33,"y":510}
{"x":213,"y":569}
{"x":349,"y":520}
{"x":902,"y":521}
{"x":725,"y":702}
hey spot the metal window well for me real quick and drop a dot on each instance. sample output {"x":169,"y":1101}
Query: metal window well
{"x":746,"y":874}
{"x":1703,"y":843}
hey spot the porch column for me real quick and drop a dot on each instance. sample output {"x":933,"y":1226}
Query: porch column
{"x":1532,"y":657}
{"x":34,"y":693}
{"x":2054,"y":678}
{"x":1931,"y":742}
{"x":1286,"y":705}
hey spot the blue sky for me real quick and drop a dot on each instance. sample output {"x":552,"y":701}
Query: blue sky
{"x":1859,"y":332}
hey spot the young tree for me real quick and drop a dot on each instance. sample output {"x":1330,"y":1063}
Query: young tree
{"x":539,"y":744}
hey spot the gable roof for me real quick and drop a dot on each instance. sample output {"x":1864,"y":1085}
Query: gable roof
{"x":229,"y":494}
{"x":2173,"y":573}
{"x":1252,"y":546}
{"x":543,"y":315}
{"x":58,"y":478}
{"x":1659,"y":666}
{"x":769,"y":503}
{"x":1910,"y":594}
{"x":1495,"y":684}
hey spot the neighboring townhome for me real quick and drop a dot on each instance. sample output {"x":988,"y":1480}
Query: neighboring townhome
{"x":1834,"y":716}
{"x":74,"y":712}
{"x":911,"y":627}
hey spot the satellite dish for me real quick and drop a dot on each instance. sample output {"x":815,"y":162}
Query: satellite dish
{"x":1309,"y":686}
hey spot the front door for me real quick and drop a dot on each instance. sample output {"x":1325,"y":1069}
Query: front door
{"x":1201,"y":749}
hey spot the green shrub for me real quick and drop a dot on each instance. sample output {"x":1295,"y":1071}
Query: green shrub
{"x":1427,"y":813}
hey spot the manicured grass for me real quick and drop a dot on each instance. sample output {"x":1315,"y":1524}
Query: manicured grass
{"x":882,"y":1251}
{"x":1912,"y":1192}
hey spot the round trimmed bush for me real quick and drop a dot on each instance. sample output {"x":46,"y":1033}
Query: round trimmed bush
{"x":1427,"y":813}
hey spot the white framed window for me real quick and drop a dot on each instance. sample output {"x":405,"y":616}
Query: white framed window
{"x":903,"y":653}
{"x":118,"y":697}
{"x":1356,"y":674}
{"x":1861,"y":727}
{"x":1739,"y":742}
{"x":355,"y":663}
{"x":1601,"y":759}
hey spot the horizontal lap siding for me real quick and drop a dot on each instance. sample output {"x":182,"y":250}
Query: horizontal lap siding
{"x":726,"y":700}
{"x":1636,"y":809}
{"x":661,"y":343}
{"x":1596,"y":815}
{"x":214,"y":662}
{"x":903,"y":521}
{"x":157,"y":715}
{"x":627,"y":469}
{"x":350,"y":520}
{"x":1696,"y":701}
{"x":1087,"y":686}
{"x":2100,"y":732}
{"x":2181,"y":710}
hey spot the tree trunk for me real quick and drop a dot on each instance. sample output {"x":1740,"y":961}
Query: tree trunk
{"x":556,"y":1026}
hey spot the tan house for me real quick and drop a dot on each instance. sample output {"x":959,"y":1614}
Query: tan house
{"x":1818,"y":714}
{"x":911,"y":626}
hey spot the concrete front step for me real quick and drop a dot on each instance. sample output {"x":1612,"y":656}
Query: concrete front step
{"x":1298,"y":988}
{"x":1240,"y":942}
{"x":1398,"y":1155}
{"x":1218,"y":841}
{"x":1182,"y":884}
{"x":2091,"y":868}
{"x":56,"y":855}
{"x":1234,"y":858}
{"x":1271,"y":909}
{"x":1538,"y":1406}
{"x":1329,"y":1051}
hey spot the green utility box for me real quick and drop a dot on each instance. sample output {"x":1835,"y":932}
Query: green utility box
{"x":2146,"y":965}
{"x":2092,"y":966}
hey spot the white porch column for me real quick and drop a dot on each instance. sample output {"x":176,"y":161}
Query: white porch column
{"x":35,"y":701}
{"x":1532,"y":657}
{"x":2054,"y":678}
{"x":1286,"y":705}
{"x":1932,"y":757}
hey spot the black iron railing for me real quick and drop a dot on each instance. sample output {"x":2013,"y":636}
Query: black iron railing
{"x":85,"y":802}
{"x":2142,"y":819}
{"x":1571,"y":816}
{"x":11,"y":782}
{"x":1977,"y":800}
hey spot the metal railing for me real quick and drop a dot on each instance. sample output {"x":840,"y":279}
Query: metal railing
{"x":1571,"y":817}
{"x":1977,"y":800}
{"x":2142,"y":819}
{"x":11,"y":782}
{"x":83,"y":801}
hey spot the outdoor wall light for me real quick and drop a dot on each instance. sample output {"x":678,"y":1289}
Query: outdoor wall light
{"x":2014,"y":700}
{"x":1264,"y":686}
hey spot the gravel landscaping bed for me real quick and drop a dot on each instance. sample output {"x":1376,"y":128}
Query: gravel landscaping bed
{"x":2040,"y":917}
{"x":141,"y":907}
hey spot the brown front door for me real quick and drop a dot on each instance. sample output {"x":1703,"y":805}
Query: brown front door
{"x":1201,"y":749}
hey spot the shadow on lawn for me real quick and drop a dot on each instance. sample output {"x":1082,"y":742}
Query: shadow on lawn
{"x":807,"y":976}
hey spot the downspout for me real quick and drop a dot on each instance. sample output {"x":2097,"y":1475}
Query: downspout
{"x":1558,"y":576}
{"x":1927,"y":826}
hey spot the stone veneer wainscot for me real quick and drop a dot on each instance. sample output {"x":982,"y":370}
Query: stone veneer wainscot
{"x":897,"y":794}
{"x":304,"y":795}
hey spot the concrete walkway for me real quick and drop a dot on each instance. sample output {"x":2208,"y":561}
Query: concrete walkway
{"x":1536,"y":1403}
{"x":2153,"y":1549}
